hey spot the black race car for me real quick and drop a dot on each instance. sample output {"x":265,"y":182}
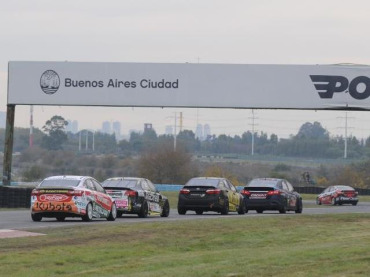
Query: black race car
{"x":204,"y":194}
{"x":271,"y":194}
{"x":136,"y":196}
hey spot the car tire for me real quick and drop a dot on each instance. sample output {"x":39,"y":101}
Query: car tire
{"x":318,"y":202}
{"x":61,"y":218}
{"x":241,"y":209}
{"x":259,"y":211}
{"x":36,"y":217}
{"x":199,"y":212}
{"x":144,"y":210}
{"x":166,"y":209}
{"x":225,"y":208}
{"x":299,"y":207}
{"x":119,"y":214}
{"x":89,"y":213}
{"x":246,"y":211}
{"x":354,"y":203}
{"x":113,"y":213}
{"x":334,"y":201}
{"x":282,"y":209}
{"x":181,"y":211}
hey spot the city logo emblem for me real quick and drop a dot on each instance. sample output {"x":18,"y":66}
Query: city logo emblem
{"x":49,"y":82}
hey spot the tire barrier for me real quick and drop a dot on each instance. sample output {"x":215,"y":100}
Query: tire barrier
{"x":14,"y":197}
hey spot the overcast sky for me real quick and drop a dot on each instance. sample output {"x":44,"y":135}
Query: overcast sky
{"x":193,"y":31}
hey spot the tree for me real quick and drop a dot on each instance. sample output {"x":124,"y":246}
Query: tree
{"x":165,"y":166}
{"x":55,"y":135}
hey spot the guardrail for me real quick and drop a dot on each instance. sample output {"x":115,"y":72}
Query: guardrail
{"x":20,"y":197}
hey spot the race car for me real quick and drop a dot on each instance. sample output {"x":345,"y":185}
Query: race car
{"x":139,"y":196}
{"x":71,"y":196}
{"x":203,"y":194}
{"x":338,"y":195}
{"x":271,"y":194}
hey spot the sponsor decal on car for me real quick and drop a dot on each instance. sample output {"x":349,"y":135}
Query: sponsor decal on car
{"x":54,"y":197}
{"x":258,"y":196}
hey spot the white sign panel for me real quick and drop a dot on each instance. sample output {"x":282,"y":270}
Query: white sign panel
{"x":189,"y":85}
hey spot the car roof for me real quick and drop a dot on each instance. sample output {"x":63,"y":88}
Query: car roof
{"x":123,"y":178}
{"x":67,"y":177}
{"x":212,"y":178}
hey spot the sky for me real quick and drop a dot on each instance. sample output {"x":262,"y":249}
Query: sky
{"x":187,"y":31}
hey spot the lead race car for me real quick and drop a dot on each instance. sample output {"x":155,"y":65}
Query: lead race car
{"x":139,"y":196}
{"x":71,"y":196}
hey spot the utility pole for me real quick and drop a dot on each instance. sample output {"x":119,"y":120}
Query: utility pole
{"x":253,"y":130}
{"x":346,"y":133}
{"x":31,"y":127}
{"x":174,"y":137}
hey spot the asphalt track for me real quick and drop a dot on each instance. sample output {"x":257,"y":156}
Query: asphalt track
{"x":21,"y":219}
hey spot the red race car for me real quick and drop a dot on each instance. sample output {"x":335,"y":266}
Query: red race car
{"x":338,"y":195}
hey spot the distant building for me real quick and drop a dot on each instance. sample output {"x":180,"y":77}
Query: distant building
{"x":199,"y":132}
{"x":206,"y":131}
{"x":116,"y":126}
{"x":2,"y":119}
{"x":148,"y":126}
{"x":169,"y":130}
{"x":106,"y":127}
{"x":72,"y":126}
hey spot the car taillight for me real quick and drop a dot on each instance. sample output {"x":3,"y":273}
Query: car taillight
{"x":245,"y":192}
{"x":213,"y":191}
{"x":76,"y":192}
{"x":132,"y":193}
{"x":274,"y":192}
{"x":184,"y":191}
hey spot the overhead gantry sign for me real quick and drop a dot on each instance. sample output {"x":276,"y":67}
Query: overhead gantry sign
{"x":313,"y":87}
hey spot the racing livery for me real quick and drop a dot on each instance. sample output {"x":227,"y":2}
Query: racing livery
{"x":338,"y":195}
{"x":139,"y":196}
{"x":204,"y":194}
{"x":271,"y":194}
{"x":71,"y":196}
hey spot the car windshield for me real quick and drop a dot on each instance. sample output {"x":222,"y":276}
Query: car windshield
{"x":120,"y":183}
{"x":263,"y":183}
{"x":203,"y":182}
{"x":344,"y":188}
{"x":59,"y":183}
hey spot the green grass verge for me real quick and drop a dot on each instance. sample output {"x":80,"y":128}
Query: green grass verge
{"x":296,"y":245}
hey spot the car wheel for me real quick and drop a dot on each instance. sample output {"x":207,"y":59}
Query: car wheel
{"x":299,"y":207}
{"x":113,"y":213}
{"x":318,"y":202}
{"x":246,"y":211}
{"x":36,"y":217}
{"x":166,"y":209}
{"x":241,"y":209}
{"x":144,"y":210}
{"x":119,"y":214}
{"x":259,"y":211}
{"x":89,"y":213}
{"x":181,"y":211}
{"x":61,"y":218}
{"x":354,"y":203}
{"x":282,"y":209}
{"x":225,"y":208}
{"x":199,"y":212}
{"x":334,"y":201}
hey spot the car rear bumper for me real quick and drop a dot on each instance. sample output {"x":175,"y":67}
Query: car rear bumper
{"x":213,"y":204}
{"x":346,"y":200}
{"x":274,"y":203}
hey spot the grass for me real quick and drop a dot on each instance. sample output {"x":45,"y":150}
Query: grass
{"x":296,"y":245}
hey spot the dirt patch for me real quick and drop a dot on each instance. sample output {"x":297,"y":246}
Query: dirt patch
{"x":7,"y":233}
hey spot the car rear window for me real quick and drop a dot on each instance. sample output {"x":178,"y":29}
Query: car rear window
{"x":59,"y":183}
{"x":203,"y":182}
{"x":263,"y":183}
{"x":344,"y":188}
{"x":121,"y":183}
